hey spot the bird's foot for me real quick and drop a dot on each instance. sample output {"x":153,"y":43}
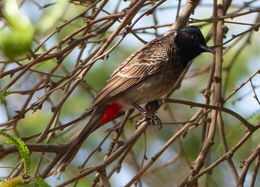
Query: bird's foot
{"x":152,"y":118}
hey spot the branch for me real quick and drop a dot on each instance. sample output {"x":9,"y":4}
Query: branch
{"x":112,"y":157}
{"x":184,"y":16}
{"x":248,"y":125}
{"x":162,"y":150}
{"x":246,"y":164}
{"x":43,"y":148}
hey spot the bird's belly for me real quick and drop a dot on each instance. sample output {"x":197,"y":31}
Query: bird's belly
{"x":150,"y":89}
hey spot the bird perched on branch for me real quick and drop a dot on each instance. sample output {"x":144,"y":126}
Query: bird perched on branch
{"x":144,"y":76}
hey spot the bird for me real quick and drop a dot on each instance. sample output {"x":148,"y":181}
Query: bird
{"x":148,"y":74}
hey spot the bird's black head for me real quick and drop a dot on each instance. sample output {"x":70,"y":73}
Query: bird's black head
{"x":191,"y":43}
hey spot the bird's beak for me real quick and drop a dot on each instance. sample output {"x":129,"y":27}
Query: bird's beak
{"x":207,"y":49}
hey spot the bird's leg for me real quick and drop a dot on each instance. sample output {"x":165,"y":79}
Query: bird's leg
{"x":148,"y":116}
{"x":152,"y":106}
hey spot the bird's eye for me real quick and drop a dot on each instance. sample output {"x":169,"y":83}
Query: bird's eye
{"x":194,"y":37}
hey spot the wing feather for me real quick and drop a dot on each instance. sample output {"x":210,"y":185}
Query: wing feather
{"x":137,"y":67}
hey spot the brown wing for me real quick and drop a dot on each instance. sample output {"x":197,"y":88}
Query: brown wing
{"x":136,"y":68}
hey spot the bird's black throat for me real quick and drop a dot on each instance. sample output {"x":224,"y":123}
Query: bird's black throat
{"x":188,"y":53}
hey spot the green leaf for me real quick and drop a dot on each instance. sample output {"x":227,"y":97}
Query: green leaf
{"x":13,"y":182}
{"x":22,"y":148}
{"x":18,"y":38}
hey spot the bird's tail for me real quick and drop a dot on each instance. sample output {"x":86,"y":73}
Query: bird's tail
{"x":76,"y":142}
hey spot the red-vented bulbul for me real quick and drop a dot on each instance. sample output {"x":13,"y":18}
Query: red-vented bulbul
{"x":146,"y":75}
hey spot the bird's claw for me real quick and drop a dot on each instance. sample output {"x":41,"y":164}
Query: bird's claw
{"x":152,"y":118}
